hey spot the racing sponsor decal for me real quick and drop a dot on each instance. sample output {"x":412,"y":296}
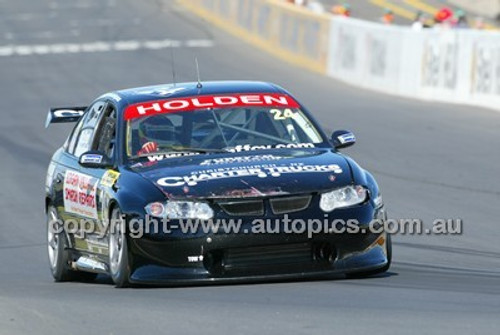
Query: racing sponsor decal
{"x":160,"y":157}
{"x":241,"y":159}
{"x":80,"y":194}
{"x":347,"y":138}
{"x":62,"y":113}
{"x":278,"y":114}
{"x":109,"y":178}
{"x":195,"y":259}
{"x":91,"y":158}
{"x":261,"y":171}
{"x":239,"y":148}
{"x":209,"y":101}
{"x":249,"y":147}
{"x":57,"y":115}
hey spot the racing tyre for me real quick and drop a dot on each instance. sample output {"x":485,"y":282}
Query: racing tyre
{"x":59,"y":255}
{"x":377,"y":271}
{"x":119,"y":266}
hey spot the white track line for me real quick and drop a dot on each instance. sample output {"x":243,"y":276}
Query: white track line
{"x":99,"y":46}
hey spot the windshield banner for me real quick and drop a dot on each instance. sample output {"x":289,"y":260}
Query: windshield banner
{"x":209,"y":101}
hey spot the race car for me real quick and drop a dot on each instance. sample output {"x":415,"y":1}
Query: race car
{"x":208,"y":182}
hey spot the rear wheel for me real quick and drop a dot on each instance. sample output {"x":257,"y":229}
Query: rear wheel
{"x":119,"y":267}
{"x":59,"y":255}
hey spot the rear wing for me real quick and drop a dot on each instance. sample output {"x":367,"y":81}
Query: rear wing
{"x":66,"y":114}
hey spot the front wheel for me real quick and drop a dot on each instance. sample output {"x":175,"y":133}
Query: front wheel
{"x":119,"y":267}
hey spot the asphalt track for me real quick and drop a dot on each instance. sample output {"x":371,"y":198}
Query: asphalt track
{"x":431,"y":161}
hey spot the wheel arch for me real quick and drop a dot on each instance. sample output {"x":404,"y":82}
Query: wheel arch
{"x":113,"y":203}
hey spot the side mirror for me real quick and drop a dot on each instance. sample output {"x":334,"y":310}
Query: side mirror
{"x":95,"y":159}
{"x":343,"y":139}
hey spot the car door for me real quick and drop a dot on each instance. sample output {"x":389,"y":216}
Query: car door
{"x":80,"y":187}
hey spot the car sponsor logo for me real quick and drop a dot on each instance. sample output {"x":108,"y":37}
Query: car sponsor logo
{"x":249,"y":147}
{"x":261,"y":171}
{"x":241,"y":159}
{"x":195,"y":259}
{"x":91,"y":158}
{"x":62,"y":113}
{"x":239,"y":148}
{"x":347,"y":138}
{"x":209,"y":101}
{"x":80,"y":194}
{"x":160,"y":157}
{"x":109,"y":178}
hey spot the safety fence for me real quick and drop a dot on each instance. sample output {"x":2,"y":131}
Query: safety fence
{"x":459,"y":66}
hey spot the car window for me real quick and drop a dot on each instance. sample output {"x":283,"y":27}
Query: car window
{"x":105,"y":132}
{"x":84,"y":142}
{"x":74,"y":136}
{"x":223,"y":128}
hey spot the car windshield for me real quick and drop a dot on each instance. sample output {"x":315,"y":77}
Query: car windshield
{"x":224,"y":129}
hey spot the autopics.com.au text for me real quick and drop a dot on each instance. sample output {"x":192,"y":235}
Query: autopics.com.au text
{"x":137,"y":228}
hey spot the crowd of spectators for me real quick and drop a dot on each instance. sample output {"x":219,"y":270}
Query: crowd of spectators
{"x":445,"y":17}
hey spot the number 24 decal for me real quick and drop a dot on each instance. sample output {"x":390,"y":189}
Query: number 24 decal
{"x":283,"y":115}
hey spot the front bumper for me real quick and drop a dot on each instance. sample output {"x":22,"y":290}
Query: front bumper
{"x":214,"y":257}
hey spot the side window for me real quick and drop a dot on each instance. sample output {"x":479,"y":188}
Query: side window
{"x":74,"y":136}
{"x":84,"y":141}
{"x":105,"y":133}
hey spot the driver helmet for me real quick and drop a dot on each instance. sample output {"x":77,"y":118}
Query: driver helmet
{"x":156,"y":128}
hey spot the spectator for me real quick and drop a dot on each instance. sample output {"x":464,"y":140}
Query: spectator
{"x":388,"y":17}
{"x":479,"y":23}
{"x":461,"y":19}
{"x":443,"y":15}
{"x":443,"y":18}
{"x":316,"y":7}
{"x":342,"y":10}
{"x":418,"y":22}
{"x":298,"y":2}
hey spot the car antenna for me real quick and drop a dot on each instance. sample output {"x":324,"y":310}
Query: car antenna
{"x":173,"y":65}
{"x":199,"y":85}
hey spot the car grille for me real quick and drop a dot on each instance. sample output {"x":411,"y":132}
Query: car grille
{"x":290,"y":204}
{"x":279,"y":205}
{"x":251,"y":257}
{"x":271,"y":259}
{"x":253,"y":207}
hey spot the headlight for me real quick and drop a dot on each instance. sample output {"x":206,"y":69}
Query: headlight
{"x":156,"y":209}
{"x":343,"y":197}
{"x":180,"y":210}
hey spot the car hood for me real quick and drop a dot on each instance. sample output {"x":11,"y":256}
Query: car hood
{"x":248,"y":174}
